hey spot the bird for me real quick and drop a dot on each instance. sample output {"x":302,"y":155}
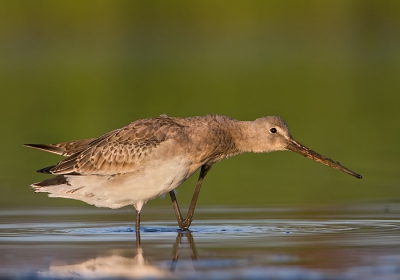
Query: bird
{"x":151,"y":157}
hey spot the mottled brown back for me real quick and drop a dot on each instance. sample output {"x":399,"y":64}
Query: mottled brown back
{"x":118,"y":151}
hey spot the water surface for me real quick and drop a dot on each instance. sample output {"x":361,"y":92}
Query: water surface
{"x":338,"y":242}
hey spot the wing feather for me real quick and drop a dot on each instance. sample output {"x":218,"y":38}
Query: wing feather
{"x":64,"y":148}
{"x":120,"y":150}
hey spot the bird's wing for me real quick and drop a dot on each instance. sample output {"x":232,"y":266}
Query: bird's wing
{"x":120,"y":150}
{"x":64,"y":148}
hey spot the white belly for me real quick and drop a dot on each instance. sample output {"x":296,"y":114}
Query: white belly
{"x":116,"y":191}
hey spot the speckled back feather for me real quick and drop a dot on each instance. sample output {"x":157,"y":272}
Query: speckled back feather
{"x":119,"y":150}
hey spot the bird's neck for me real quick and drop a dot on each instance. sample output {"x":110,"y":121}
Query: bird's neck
{"x":247,"y":138}
{"x":242,"y":134}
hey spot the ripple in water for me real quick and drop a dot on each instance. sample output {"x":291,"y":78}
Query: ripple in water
{"x":269,"y":227}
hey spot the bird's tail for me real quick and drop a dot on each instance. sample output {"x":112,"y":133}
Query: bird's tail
{"x":85,"y":188}
{"x":64,"y":148}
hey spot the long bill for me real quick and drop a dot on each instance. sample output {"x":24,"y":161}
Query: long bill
{"x":297,"y":147}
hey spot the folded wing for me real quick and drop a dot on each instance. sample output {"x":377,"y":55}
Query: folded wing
{"x":118,"y":151}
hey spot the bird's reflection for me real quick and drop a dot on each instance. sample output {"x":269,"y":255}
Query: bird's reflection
{"x":177,"y":248}
{"x":116,"y":265}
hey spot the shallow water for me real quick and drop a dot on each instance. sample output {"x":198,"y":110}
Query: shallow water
{"x":338,"y":242}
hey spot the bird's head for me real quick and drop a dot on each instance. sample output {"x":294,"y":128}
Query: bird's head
{"x":271,"y":133}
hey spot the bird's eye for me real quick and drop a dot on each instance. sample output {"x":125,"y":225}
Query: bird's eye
{"x":273,"y":130}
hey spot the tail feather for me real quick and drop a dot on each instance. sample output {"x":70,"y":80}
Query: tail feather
{"x":46,"y":170}
{"x":47,"y":148}
{"x":64,"y":148}
{"x":90,"y":189}
{"x":66,"y":166}
{"x":67,"y":149}
{"x":55,"y":181}
{"x":69,"y":186}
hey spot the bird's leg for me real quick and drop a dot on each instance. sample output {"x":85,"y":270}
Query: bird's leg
{"x":137,"y":229}
{"x":176,"y":207}
{"x":185,"y":223}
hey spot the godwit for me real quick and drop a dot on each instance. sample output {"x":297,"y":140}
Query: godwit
{"x":150,"y":157}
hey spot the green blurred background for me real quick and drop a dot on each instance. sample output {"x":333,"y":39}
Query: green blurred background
{"x":77,"y":69}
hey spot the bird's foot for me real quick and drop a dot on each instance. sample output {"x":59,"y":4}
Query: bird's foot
{"x":185,"y":224}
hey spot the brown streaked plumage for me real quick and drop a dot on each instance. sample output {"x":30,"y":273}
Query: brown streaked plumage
{"x":150,"y":157}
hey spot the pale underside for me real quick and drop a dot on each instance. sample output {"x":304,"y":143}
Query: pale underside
{"x":162,"y":169}
{"x":134,"y":188}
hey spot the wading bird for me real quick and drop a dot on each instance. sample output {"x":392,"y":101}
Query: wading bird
{"x":150,"y":157}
